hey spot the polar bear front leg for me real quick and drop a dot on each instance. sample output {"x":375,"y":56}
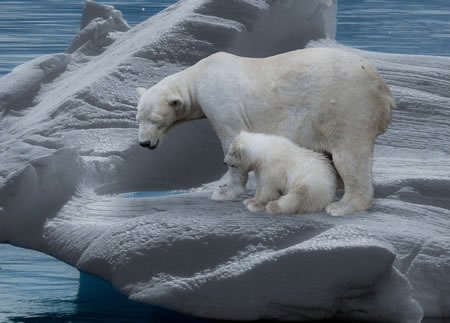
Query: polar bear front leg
{"x":264,"y":195}
{"x":235,"y":182}
{"x":253,"y":204}
{"x":256,"y":197}
{"x":355,"y":168}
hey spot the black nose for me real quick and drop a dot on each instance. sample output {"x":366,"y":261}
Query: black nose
{"x":145,"y":144}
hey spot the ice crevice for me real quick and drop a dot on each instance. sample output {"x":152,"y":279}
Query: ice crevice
{"x":69,"y":150}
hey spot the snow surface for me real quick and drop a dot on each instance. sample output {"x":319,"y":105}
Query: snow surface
{"x":69,"y":147}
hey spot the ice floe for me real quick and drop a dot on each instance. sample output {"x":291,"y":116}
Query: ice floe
{"x":69,"y":149}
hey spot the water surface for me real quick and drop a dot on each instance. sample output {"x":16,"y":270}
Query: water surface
{"x":30,"y":28}
{"x":401,"y":26}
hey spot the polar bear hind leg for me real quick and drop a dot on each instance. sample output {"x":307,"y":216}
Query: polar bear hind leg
{"x":286,"y":204}
{"x":355,"y":168}
{"x":301,"y":200}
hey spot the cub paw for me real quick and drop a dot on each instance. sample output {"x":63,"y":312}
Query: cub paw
{"x":255,"y":207}
{"x":248,"y":201}
{"x":273,"y":207}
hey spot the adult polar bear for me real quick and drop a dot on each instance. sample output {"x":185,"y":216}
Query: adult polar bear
{"x":323,"y":99}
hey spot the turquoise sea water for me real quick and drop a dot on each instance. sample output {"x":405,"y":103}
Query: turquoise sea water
{"x":37,"y":288}
{"x":29,"y":28}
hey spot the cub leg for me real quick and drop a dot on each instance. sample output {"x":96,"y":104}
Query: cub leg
{"x":259,"y":202}
{"x":300,"y":200}
{"x":253,"y":199}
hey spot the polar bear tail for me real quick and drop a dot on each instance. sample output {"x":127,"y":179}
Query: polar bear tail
{"x":387,"y":105}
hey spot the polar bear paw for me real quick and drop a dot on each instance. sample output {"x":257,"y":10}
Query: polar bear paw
{"x":340,"y":208}
{"x":226,"y":193}
{"x":255,"y":207}
{"x":337,"y":209}
{"x":274,"y":208}
{"x":248,"y":201}
{"x":348,"y":207}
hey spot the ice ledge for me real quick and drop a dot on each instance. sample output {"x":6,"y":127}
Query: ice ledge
{"x":93,"y":10}
{"x":98,"y":25}
{"x":432,"y":265}
{"x":215,"y":260}
{"x":18,"y":88}
{"x":305,"y":281}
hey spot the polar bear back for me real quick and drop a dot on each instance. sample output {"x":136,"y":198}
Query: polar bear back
{"x":292,"y":93}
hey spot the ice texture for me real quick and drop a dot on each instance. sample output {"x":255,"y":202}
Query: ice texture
{"x":69,"y":148}
{"x":99,"y":25}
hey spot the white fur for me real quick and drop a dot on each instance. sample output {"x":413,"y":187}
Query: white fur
{"x":320,"y":98}
{"x":289,"y":179}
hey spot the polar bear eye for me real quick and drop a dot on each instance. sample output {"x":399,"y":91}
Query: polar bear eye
{"x":174,"y":103}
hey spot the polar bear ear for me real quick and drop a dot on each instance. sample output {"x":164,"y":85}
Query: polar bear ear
{"x":176,"y":103}
{"x":140,"y":91}
{"x":241,"y":149}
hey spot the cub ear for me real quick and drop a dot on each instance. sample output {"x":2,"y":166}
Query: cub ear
{"x":140,"y":91}
{"x":241,"y":150}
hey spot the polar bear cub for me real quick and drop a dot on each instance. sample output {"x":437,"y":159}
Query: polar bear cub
{"x":289,"y":179}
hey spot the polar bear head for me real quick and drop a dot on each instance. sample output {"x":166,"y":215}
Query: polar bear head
{"x":159,"y":109}
{"x":238,"y":155}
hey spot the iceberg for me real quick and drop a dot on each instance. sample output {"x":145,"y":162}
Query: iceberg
{"x":69,"y":152}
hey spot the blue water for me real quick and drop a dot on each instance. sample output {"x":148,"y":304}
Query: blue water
{"x":400,"y":26}
{"x":30,"y":28}
{"x":37,"y":288}
{"x":32,"y":284}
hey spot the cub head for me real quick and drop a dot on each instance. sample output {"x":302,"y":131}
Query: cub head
{"x":158,"y":110}
{"x":237,"y":155}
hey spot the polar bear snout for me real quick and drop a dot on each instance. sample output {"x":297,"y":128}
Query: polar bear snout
{"x":232,"y":162}
{"x":153,"y":144}
{"x":150,"y":144}
{"x":145,"y":144}
{"x":229,"y":161}
{"x":149,"y":135}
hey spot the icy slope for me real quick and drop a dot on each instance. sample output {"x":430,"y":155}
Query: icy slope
{"x":69,"y":144}
{"x":83,"y":103}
